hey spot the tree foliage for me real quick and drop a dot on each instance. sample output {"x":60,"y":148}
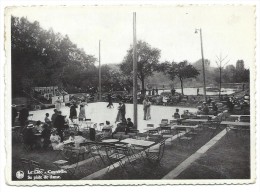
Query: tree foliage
{"x":182,"y":70}
{"x":147,"y":61}
{"x":44,"y":58}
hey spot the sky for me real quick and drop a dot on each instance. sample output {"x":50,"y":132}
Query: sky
{"x":226,"y":30}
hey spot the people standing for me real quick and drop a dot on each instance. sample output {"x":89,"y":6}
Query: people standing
{"x":58,"y":104}
{"x":82,"y":113}
{"x":198,"y":90}
{"x":148,"y":112}
{"x":73,"y":112}
{"x":54,"y":115}
{"x":121,"y":112}
{"x":145,"y":105}
{"x":110,"y":103}
{"x":47,"y":120}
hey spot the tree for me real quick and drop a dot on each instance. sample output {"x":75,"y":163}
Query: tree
{"x":44,"y":58}
{"x":147,"y":61}
{"x":182,"y":70}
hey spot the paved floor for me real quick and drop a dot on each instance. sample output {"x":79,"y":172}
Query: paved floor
{"x":98,"y":113}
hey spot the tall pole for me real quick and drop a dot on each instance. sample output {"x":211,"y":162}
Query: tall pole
{"x":203,"y":67}
{"x":99,"y":72}
{"x":220,"y":70}
{"x":134,"y":71}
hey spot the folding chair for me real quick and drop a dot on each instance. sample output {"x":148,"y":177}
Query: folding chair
{"x":154,"y":156}
{"x":182,"y":135}
{"x":120,"y":155}
{"x":88,"y":123}
{"x":166,"y":132}
{"x":164,"y":122}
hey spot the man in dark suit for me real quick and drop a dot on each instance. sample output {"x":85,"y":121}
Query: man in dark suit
{"x":59,"y":123}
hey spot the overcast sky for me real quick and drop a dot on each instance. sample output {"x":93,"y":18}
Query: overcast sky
{"x":227,"y":30}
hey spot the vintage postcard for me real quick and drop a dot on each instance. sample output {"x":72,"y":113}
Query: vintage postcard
{"x":130,"y":94}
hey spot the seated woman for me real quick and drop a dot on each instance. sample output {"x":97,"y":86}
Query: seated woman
{"x":176,"y":115}
{"x":107,"y":129}
{"x":38,"y":128}
{"x":56,"y":141}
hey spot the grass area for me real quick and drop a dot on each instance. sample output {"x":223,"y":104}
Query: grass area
{"x":228,"y":159}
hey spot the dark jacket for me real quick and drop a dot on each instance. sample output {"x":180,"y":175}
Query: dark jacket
{"x":73,"y":112}
{"x":59,"y":122}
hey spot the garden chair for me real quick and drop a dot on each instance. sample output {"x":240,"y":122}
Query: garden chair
{"x":164,"y":122}
{"x":166,"y":132}
{"x":182,"y":135}
{"x":120,"y":155}
{"x":154,"y":156}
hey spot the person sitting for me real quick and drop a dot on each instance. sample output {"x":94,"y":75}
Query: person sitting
{"x":46,"y":119}
{"x":56,"y":140}
{"x":129,"y":123}
{"x":78,"y":139}
{"x":29,"y":137}
{"x":107,"y":129}
{"x":71,"y":138}
{"x":38,"y":128}
{"x":205,"y":109}
{"x":199,"y":112}
{"x":121,"y":127}
{"x":176,"y":115}
{"x":214,"y":108}
{"x":46,"y":133}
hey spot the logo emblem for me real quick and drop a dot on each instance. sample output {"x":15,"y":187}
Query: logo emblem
{"x":19,"y":174}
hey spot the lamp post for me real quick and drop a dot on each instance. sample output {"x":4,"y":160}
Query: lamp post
{"x":135,"y":72}
{"x":203,"y":63}
{"x":99,"y":71}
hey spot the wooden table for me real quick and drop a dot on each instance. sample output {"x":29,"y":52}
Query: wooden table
{"x":245,"y":124}
{"x":137,"y":142}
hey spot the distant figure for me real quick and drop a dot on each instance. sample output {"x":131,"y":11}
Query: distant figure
{"x":73,"y":112}
{"x":205,"y":109}
{"x":23,"y":115}
{"x":54,"y":115}
{"x":156,"y":90}
{"x":92,"y":132}
{"x":110,"y":102}
{"x":129,"y":123}
{"x":47,"y":120}
{"x":29,"y":137}
{"x":153,"y":91}
{"x":243,"y":88}
{"x":145,"y":106}
{"x":56,"y":141}
{"x":176,"y":115}
{"x":148,"y":111}
{"x":165,"y":99}
{"x":198,"y":90}
{"x":173,"y":91}
{"x":58,"y":104}
{"x":121,"y":112}
{"x":82,"y":113}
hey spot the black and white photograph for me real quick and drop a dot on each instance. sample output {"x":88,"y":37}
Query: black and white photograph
{"x":130,"y":94}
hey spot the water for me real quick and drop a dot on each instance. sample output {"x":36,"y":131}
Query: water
{"x":98,"y":113}
{"x":193,"y":91}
